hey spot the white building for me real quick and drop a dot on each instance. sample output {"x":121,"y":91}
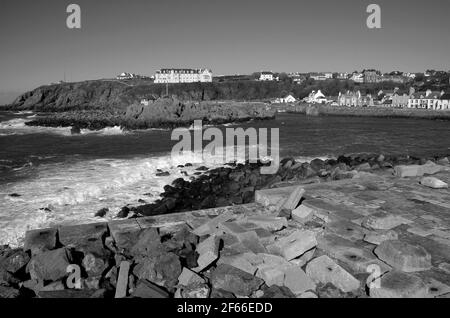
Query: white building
{"x":429,"y":100}
{"x":316,"y":98}
{"x":321,"y":76}
{"x":125,"y":75}
{"x":266,"y":76}
{"x":185,"y":75}
{"x":357,"y":77}
{"x":285,"y":100}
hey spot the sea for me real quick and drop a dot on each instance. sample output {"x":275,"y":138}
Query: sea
{"x":49,"y":176}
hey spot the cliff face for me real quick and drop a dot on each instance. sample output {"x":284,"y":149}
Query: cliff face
{"x":111,"y":94}
{"x":73,"y":96}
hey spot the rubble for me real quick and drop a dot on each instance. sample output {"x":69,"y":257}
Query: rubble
{"x":324,"y":270}
{"x":341,"y":234}
{"x":234,"y":280}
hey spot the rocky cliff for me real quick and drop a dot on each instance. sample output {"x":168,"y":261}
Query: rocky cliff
{"x":112,"y":94}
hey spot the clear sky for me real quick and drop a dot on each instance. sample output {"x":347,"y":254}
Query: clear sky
{"x":228,"y":36}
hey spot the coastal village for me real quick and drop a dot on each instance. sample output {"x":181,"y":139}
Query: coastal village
{"x":391,"y":98}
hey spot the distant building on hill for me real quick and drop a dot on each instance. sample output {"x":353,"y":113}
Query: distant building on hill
{"x":371,"y":76}
{"x":266,"y":76}
{"x":297,"y":78}
{"x":185,"y":75}
{"x":321,"y":76}
{"x":357,"y":77}
{"x":125,"y":75}
{"x":343,"y":76}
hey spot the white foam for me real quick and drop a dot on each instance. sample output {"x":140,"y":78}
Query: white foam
{"x":18,"y":126}
{"x":74,"y":192}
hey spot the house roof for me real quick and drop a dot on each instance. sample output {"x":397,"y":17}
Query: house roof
{"x":446,"y":96}
{"x":432,"y":95}
{"x":266,"y":73}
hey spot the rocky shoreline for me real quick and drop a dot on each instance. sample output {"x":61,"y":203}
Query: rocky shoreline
{"x":288,"y":244}
{"x":166,"y":113}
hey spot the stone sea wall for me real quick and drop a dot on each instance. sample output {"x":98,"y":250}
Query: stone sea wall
{"x":382,"y":230}
{"x":382,"y":112}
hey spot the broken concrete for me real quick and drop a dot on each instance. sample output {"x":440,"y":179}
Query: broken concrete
{"x":324,"y":270}
{"x":397,"y":284}
{"x":403,"y":256}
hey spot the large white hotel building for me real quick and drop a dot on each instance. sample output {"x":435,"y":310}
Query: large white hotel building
{"x":184,"y":75}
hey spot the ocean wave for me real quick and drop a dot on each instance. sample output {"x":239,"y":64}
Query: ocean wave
{"x":24,"y":112}
{"x":71,"y":192}
{"x":18,"y":126}
{"x":108,"y":131}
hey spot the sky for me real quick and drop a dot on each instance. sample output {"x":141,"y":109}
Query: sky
{"x":227,"y":36}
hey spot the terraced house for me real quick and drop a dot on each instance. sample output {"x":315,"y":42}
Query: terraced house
{"x":429,"y":100}
{"x":354,"y":99}
{"x":185,"y":75}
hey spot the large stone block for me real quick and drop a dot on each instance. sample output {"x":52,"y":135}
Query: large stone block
{"x":241,"y":261}
{"x":324,"y":270}
{"x":13,"y":261}
{"x":354,"y":255}
{"x":148,"y":243}
{"x":302,"y":214}
{"x":50,"y":265}
{"x":270,"y":223}
{"x":295,"y":244}
{"x":377,"y":237}
{"x":294,"y":198}
{"x":145,"y":289}
{"x":40,"y":240}
{"x":84,"y":237}
{"x":433,"y":183}
{"x":404,"y":171}
{"x":125,"y":232}
{"x":211,"y":226}
{"x":208,"y":251}
{"x":234,"y":280}
{"x":397,"y":284}
{"x":297,"y":281}
{"x":267,"y":197}
{"x":404,"y":256}
{"x":383,"y":221}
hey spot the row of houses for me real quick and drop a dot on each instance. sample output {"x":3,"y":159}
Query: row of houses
{"x":419,"y":100}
